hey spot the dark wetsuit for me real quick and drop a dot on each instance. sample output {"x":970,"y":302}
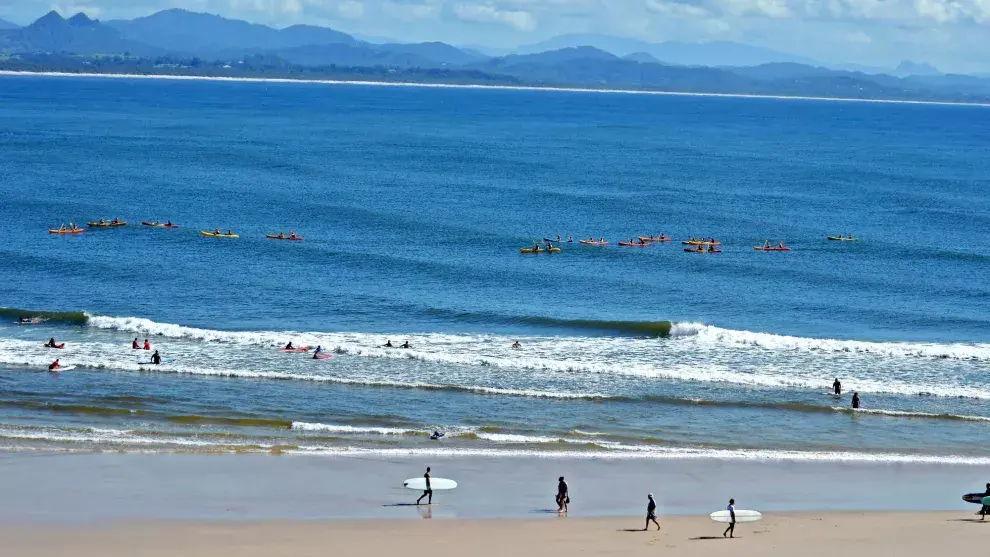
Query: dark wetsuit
{"x":428,"y":492}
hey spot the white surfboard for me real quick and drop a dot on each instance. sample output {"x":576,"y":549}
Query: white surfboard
{"x":436,"y":484}
{"x":63,"y":368}
{"x":742,"y":515}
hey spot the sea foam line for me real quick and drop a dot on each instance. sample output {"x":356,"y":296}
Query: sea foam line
{"x":490,"y":87}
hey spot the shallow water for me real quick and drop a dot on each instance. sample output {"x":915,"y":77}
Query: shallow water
{"x":414,"y":204}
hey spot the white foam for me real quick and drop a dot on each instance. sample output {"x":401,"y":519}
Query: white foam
{"x":347,"y":429}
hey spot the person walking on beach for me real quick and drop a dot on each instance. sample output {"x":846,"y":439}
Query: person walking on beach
{"x":855,"y":401}
{"x":429,"y":490}
{"x":651,"y":513}
{"x":986,"y":508}
{"x":563,"y":497}
{"x":731,"y":530}
{"x":837,"y":387}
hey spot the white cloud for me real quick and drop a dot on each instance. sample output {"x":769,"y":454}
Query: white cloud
{"x":489,"y":13}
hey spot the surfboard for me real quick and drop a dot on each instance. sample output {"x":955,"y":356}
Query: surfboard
{"x":741,"y":516}
{"x":164,"y":361}
{"x":63,"y":368}
{"x":975,"y":498}
{"x":436,"y":484}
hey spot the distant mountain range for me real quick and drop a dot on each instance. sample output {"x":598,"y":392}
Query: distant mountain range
{"x":595,"y":61}
{"x":678,"y":53}
{"x":4,"y":24}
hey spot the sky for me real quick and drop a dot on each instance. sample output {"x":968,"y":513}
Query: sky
{"x":950,"y":34}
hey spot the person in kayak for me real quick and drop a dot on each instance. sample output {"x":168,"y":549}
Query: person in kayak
{"x":134,"y":344}
{"x":837,"y":386}
{"x":292,"y":234}
{"x":289,"y":346}
{"x":781,"y":245}
{"x":102,"y":221}
{"x":388,"y":344}
{"x":147,"y":345}
{"x":229,"y":233}
{"x":156,"y":358}
{"x":406,"y":345}
{"x":516,"y":344}
{"x":855,"y":400}
{"x":711,"y":248}
{"x":51,"y":343}
{"x":54,"y":365}
{"x":169,"y":223}
{"x":281,"y":235}
{"x":216,"y":231}
{"x":116,"y":220}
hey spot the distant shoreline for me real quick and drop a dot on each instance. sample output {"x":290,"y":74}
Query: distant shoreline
{"x":496,"y":87}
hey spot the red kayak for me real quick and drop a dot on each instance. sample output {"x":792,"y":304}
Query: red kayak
{"x":56,"y":346}
{"x":296,"y":349}
{"x":633,"y":244}
{"x":157,"y":224}
{"x":322,"y":357}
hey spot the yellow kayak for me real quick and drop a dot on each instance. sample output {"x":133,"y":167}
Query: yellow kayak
{"x":539,"y":250}
{"x":215,"y":235}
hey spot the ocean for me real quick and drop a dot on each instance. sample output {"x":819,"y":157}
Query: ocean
{"x":414,"y":204}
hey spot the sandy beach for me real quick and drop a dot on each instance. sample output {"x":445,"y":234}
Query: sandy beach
{"x":848,"y":534}
{"x":492,"y":87}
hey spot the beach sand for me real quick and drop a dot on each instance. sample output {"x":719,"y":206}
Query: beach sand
{"x":912,"y":534}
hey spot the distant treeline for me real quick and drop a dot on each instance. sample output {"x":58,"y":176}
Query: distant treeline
{"x":258,"y":66}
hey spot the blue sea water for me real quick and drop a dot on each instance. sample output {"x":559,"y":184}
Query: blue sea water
{"x":414,"y":203}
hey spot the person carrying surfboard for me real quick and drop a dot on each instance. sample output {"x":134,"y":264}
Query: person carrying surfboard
{"x":429,"y":490}
{"x":986,"y":508}
{"x":731,"y":530}
{"x":651,"y":513}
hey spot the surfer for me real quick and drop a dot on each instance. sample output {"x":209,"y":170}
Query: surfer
{"x":388,"y":344}
{"x":147,"y":345}
{"x":436,"y":435}
{"x":516,"y":344}
{"x":155,"y":358}
{"x":134,"y":344}
{"x":563,"y":497}
{"x":855,"y":401}
{"x":986,"y":508}
{"x":289,"y":346}
{"x":837,"y":387}
{"x":54,"y":365}
{"x":51,"y":343}
{"x":731,"y":530}
{"x":319,"y":350}
{"x":429,"y":490}
{"x":651,"y":513}
{"x":406,"y":345}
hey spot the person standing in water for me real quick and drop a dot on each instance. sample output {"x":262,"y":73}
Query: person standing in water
{"x":855,"y":401}
{"x":837,"y":387}
{"x":429,"y":489}
{"x":563,"y":495}
{"x":651,"y":513}
{"x":731,"y":530}
{"x":155,"y":358}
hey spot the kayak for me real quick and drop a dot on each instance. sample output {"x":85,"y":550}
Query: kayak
{"x":539,"y":250}
{"x":772,"y":248}
{"x":66,"y":231}
{"x":654,"y":238}
{"x":322,"y":357}
{"x":106,"y":224}
{"x":56,"y":346}
{"x":700,"y":243}
{"x":215,"y":235}
{"x":592,"y":243}
{"x":689,"y":250}
{"x":157,"y":224}
{"x":62,"y":368}
{"x":277,"y":237}
{"x":841,"y":239}
{"x":296,"y":349}
{"x":634,"y":244}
